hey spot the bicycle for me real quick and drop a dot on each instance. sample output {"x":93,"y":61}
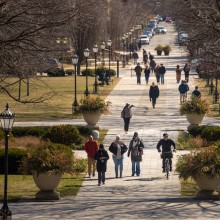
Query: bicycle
{"x":167,"y":163}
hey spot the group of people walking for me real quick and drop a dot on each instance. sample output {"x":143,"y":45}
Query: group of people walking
{"x":98,"y":156}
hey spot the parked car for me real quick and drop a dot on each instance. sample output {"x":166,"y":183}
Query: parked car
{"x":183,"y":39}
{"x":168,"y":20}
{"x":160,"y":30}
{"x":144,"y":39}
{"x":53,"y":63}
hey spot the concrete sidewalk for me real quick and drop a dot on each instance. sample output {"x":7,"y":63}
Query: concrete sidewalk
{"x":149,"y":196}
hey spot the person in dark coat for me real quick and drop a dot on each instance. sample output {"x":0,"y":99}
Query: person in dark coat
{"x":147,"y":73}
{"x":196,"y":93}
{"x":101,"y":156}
{"x":145,"y":56}
{"x":186,"y":70}
{"x":138,"y":70}
{"x":162,"y":71}
{"x":154,"y":93}
{"x":157,"y":74}
{"x":152,"y":65}
{"x":136,"y":151}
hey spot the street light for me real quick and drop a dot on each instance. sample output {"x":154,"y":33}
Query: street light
{"x":7,"y":120}
{"x":95,"y":51}
{"x":62,"y":42}
{"x":109,"y":44}
{"x":75,"y":103}
{"x":103,"y":55}
{"x":124,"y":46}
{"x":86,"y":54}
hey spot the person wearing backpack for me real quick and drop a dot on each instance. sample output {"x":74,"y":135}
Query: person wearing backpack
{"x":126,"y":114}
{"x":183,"y":88}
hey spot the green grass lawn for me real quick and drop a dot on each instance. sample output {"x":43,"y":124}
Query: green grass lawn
{"x":19,"y":185}
{"x":60,"y":105}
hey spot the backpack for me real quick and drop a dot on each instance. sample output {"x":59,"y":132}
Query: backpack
{"x":122,"y":113}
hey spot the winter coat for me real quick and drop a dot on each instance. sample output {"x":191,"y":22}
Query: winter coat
{"x":135,"y":55}
{"x":147,"y":72}
{"x":136,"y":151}
{"x":138,"y":70}
{"x":183,"y":88}
{"x":154,"y":92}
{"x":91,"y":147}
{"x":162,"y":70}
{"x":101,"y":156}
{"x":152,"y":64}
{"x":178,"y":73}
{"x":113,"y":148}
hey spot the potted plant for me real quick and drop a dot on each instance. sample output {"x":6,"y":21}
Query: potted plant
{"x":47,"y":162}
{"x":194,"y":109}
{"x":167,"y":49}
{"x":203,"y":166}
{"x":91,"y":108}
{"x":159,"y":49}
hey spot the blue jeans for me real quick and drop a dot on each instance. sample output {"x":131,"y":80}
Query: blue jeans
{"x":118,"y":164}
{"x":162,"y":78}
{"x":136,"y":167}
{"x":135,"y":61}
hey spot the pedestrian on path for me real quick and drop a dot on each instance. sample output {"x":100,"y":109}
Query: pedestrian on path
{"x":157,"y":74}
{"x":135,"y":57}
{"x":126,"y":114}
{"x":101,"y":156}
{"x":151,"y":57}
{"x":136,"y":147}
{"x":138,"y":70}
{"x":196,"y":93}
{"x":178,"y":73}
{"x":186,"y":70}
{"x":154,"y":93}
{"x":152,"y":65}
{"x":162,"y":71}
{"x":118,"y":148}
{"x":147,"y":73}
{"x":183,"y":88}
{"x":145,"y":56}
{"x":166,"y":145}
{"x":91,"y":146}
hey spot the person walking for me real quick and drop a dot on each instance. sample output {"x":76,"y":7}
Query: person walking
{"x":126,"y":114}
{"x":186,"y":70}
{"x":196,"y":93}
{"x":183,"y":88}
{"x":151,"y":57}
{"x":154,"y":93}
{"x":147,"y":73}
{"x":178,"y":73}
{"x":118,"y":148}
{"x":157,"y":74}
{"x":135,"y":57}
{"x":101,"y":156}
{"x":166,"y":145}
{"x":152,"y":65}
{"x":91,"y":146}
{"x":136,"y":147}
{"x":162,"y":71}
{"x":145,"y":57}
{"x":138,"y":70}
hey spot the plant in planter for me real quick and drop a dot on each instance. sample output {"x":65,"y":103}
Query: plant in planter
{"x":203,"y":165}
{"x":92,"y":107}
{"x":194,"y":109}
{"x":159,"y":49}
{"x":47,"y":162}
{"x":167,"y":49}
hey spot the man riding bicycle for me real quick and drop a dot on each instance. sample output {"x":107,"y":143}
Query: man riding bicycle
{"x":166,"y":150}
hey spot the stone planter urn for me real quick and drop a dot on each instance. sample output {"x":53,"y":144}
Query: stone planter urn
{"x":194,"y":119}
{"x":207,"y":186}
{"x":159,"y":52}
{"x":91,"y":118}
{"x":47,"y":183}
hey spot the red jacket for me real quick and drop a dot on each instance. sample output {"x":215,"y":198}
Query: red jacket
{"x":91,"y":147}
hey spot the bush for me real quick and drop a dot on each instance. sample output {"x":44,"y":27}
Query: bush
{"x":100,"y":70}
{"x":15,"y":156}
{"x":79,"y":165}
{"x":54,"y":72}
{"x":37,"y":131}
{"x":63,"y":134}
{"x":90,"y":72}
{"x":70,"y":72}
{"x":196,"y":130}
{"x":85,"y":131}
{"x":211,"y":133}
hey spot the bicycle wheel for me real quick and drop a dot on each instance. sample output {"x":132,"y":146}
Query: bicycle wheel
{"x":167,"y":167}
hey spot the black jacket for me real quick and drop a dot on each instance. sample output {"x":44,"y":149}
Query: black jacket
{"x":162,"y":70}
{"x":101,"y":163}
{"x":166,"y":145}
{"x":154,"y":92}
{"x":113,"y":148}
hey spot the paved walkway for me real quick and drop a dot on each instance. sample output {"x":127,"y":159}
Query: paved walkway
{"x":149,"y":196}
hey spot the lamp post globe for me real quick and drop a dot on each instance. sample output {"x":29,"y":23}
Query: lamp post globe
{"x":109,"y":44}
{"x":75,"y":103}
{"x":86,"y":54}
{"x":95,"y":51}
{"x":7,"y":121}
{"x":103,"y":55}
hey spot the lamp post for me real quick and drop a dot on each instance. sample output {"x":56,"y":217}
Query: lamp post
{"x":7,"y":120}
{"x":124,"y":46}
{"x":95,"y":51}
{"x":103,"y":55}
{"x":109,"y":44}
{"x":130,"y":34}
{"x":62,"y":42}
{"x":86,"y":54}
{"x":75,"y":103}
{"x":216,"y":94}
